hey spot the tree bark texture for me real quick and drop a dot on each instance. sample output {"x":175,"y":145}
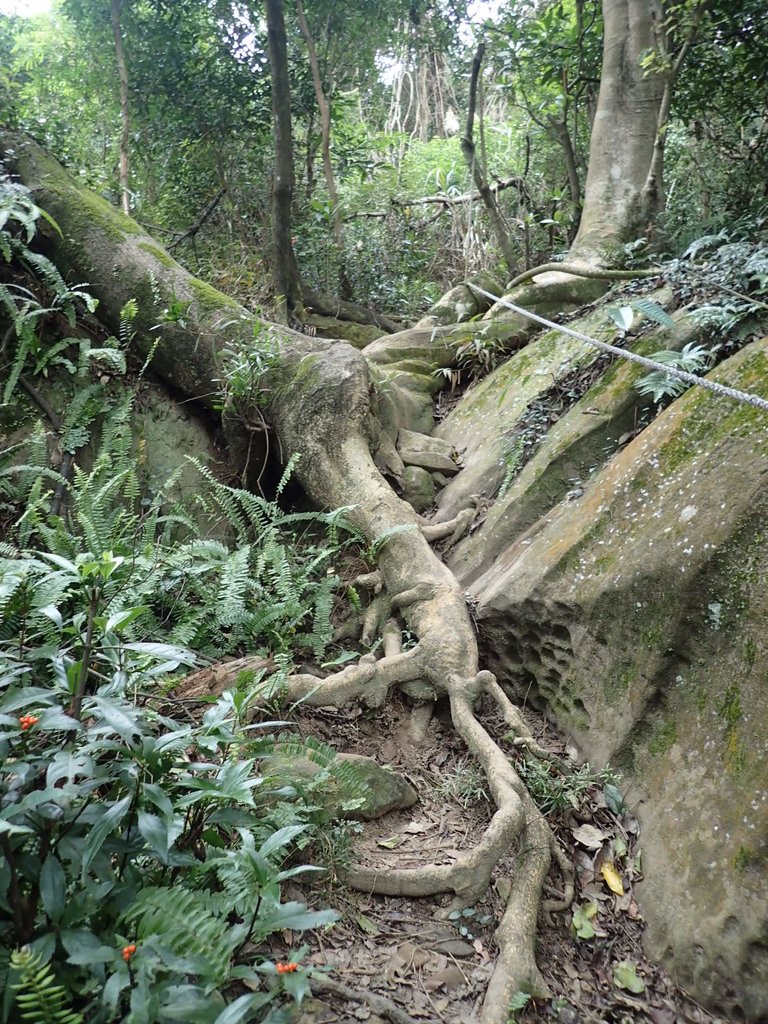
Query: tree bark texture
{"x":325,"y":124}
{"x":285,"y":269}
{"x":618,"y":206}
{"x":470,"y":155}
{"x":125,"y":118}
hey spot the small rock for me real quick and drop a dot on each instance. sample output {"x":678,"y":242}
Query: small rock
{"x":418,"y":488}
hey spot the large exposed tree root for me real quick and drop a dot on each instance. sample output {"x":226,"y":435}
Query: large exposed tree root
{"x":321,"y":409}
{"x":336,"y":469}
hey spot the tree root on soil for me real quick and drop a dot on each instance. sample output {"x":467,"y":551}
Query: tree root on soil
{"x":412,"y":586}
{"x":379,"y":1004}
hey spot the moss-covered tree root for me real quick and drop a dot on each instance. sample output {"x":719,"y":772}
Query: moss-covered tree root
{"x":321,"y":410}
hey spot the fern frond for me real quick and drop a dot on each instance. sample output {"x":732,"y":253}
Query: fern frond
{"x":322,"y":627}
{"x":39,"y":998}
{"x":188,"y":922}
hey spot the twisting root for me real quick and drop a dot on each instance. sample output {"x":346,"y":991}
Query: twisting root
{"x":326,"y":423}
{"x":453,"y":528}
{"x":580,"y":270}
{"x":379,"y":1004}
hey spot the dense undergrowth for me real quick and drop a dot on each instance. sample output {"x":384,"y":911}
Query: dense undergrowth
{"x":144,"y":843}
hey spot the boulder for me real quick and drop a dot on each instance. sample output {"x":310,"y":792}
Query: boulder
{"x":383,"y":790}
{"x":636,"y":614}
{"x":481,"y":421}
{"x":592,"y":430}
{"x":428,"y":452}
{"x":462,"y":302}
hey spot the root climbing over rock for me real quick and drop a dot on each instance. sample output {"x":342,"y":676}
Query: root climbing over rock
{"x":321,"y":410}
{"x":327,"y":424}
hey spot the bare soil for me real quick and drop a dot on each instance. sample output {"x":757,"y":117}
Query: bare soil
{"x":436,"y":970}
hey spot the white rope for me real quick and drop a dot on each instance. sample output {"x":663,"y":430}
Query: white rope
{"x":691,"y":378}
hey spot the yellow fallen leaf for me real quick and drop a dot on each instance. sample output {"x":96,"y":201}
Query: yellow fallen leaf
{"x":612,"y":878}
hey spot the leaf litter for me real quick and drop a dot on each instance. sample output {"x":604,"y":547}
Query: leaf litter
{"x":436,"y":970}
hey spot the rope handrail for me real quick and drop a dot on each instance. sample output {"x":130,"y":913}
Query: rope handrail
{"x":720,"y":389}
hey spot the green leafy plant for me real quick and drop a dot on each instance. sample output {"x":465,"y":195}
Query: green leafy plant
{"x":581,"y":921}
{"x":25,"y":311}
{"x":624,"y":316}
{"x":513,"y":450}
{"x":555,"y":787}
{"x":465,"y":919}
{"x":518,"y":1002}
{"x":659,"y":385}
{"x":144,"y":874}
{"x":40,"y":999}
{"x":465,"y":783}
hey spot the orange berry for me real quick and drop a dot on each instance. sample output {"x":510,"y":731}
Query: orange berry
{"x":128,"y":952}
{"x":286,"y":968}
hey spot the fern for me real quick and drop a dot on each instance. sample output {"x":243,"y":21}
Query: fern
{"x":234,"y":586}
{"x":191,"y":924}
{"x":322,"y":627}
{"x":693,"y":359}
{"x":39,"y":998}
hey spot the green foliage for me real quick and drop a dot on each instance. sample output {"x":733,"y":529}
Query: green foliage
{"x":244,"y":366}
{"x":513,"y":450}
{"x":557,"y":788}
{"x":39,"y":998}
{"x":518,"y":1002}
{"x":624,"y":316}
{"x":692,"y":358}
{"x":20,"y":305}
{"x":465,"y":783}
{"x":113,"y":836}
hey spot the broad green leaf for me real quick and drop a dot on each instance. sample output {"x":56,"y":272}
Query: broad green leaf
{"x":54,"y":720}
{"x":155,"y":833}
{"x":127,"y":726}
{"x":622,"y":316}
{"x":189,"y":1004}
{"x":110,"y":821}
{"x":53,"y":887}
{"x":280,"y":839}
{"x":581,"y":921}
{"x":625,"y":976}
{"x":158,"y":796}
{"x":294,"y":916}
{"x":8,"y":828}
{"x":366,"y":924}
{"x":296,"y":984}
{"x":243,"y":1007}
{"x":391,"y":842}
{"x":122,"y":618}
{"x":613,"y":798}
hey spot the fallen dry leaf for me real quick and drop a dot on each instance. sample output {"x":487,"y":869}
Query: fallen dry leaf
{"x":589,"y":836}
{"x":416,"y":828}
{"x":449,"y":978}
{"x":612,"y":878}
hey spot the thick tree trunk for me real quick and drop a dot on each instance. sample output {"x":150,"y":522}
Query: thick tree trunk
{"x":618,"y":204}
{"x":125,"y":119}
{"x":285,"y":269}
